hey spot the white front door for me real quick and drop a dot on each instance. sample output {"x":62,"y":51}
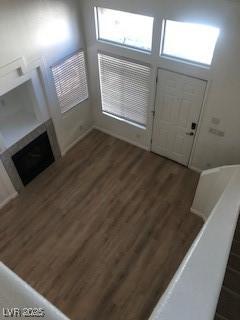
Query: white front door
{"x":178,"y":105}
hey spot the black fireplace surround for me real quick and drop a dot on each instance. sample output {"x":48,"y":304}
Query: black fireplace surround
{"x":33,"y":158}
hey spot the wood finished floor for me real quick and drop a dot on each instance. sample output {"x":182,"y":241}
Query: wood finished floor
{"x":101,"y":232}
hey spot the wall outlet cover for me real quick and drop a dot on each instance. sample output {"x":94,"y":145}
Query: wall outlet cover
{"x":217,"y":132}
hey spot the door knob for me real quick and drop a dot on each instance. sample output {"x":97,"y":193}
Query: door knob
{"x":190,"y":133}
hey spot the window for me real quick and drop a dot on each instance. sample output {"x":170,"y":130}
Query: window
{"x":190,"y":41}
{"x":125,"y":88}
{"x":128,"y":29}
{"x":70,"y":79}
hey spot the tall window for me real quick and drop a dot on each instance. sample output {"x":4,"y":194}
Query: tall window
{"x":70,"y":79}
{"x":128,"y":29}
{"x":125,"y":88}
{"x":190,"y":41}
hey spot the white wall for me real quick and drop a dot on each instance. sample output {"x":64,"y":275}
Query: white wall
{"x":223,"y":97}
{"x":211,"y":186}
{"x":48,"y":29}
{"x":14,"y":102}
{"x":7,"y":191}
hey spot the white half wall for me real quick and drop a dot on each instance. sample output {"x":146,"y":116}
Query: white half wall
{"x":212,"y":184}
{"x":15,"y":293}
{"x":7,"y":191}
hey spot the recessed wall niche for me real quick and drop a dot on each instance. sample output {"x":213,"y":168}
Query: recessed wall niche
{"x":18,"y":114}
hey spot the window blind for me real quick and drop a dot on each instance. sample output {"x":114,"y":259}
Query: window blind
{"x":125,"y":88}
{"x":70,"y":79}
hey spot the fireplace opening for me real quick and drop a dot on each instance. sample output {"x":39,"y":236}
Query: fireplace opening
{"x":33,"y":158}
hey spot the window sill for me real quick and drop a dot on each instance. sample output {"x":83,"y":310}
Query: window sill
{"x":189,"y":62}
{"x":119,"y":45}
{"x":140,"y":126}
{"x":71,"y":106}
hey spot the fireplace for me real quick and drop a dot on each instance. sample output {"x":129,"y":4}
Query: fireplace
{"x":28,"y":141}
{"x":33,"y":158}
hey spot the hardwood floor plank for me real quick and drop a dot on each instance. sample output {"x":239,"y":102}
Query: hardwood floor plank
{"x":101,"y":232}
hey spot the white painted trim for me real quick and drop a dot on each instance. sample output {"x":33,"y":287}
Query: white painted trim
{"x":200,"y":122}
{"x":19,"y":63}
{"x":76,"y":141}
{"x":198,"y":213}
{"x":221,"y":317}
{"x":195,"y":169}
{"x":34,"y":63}
{"x":132,"y":123}
{"x":8,"y":85}
{"x":8,"y":199}
{"x":121,"y":137}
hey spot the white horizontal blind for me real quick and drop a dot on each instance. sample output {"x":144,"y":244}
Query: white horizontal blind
{"x":70,"y":80}
{"x":125,"y":88}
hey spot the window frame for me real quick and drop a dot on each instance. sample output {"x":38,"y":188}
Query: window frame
{"x":176,"y":58}
{"x":115,"y":43}
{"x":61,"y":61}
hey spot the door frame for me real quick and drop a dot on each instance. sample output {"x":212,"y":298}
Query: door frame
{"x":200,"y":118}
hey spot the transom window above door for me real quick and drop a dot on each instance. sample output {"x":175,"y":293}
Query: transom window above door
{"x":189,"y":41}
{"x":124,"y":28}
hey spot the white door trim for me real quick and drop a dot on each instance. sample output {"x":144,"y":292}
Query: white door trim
{"x":195,"y":141}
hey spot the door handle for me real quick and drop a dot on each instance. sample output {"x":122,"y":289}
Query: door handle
{"x":190,"y":133}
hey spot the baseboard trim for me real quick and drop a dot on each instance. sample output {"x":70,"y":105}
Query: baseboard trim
{"x":195,"y":169}
{"x":121,"y":137}
{"x":198,"y":213}
{"x":6,"y":201}
{"x":76,"y":141}
{"x":221,"y":317}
